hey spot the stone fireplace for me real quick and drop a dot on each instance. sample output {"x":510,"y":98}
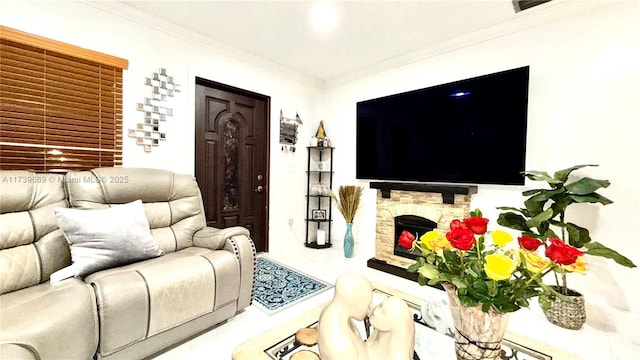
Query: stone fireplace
{"x":417,"y":208}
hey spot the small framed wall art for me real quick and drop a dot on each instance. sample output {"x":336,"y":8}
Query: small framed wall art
{"x":318,"y":214}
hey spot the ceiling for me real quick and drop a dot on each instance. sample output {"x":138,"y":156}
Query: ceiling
{"x":367,"y":33}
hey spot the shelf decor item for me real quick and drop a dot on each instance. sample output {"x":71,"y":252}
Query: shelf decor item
{"x":347,"y":201}
{"x":320,"y":133}
{"x":320,"y":237}
{"x":486,"y":274}
{"x":348,"y":241}
{"x":540,"y":219}
{"x":318,"y":214}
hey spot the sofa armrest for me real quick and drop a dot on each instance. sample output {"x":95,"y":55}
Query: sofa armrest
{"x":236,"y":240}
{"x":214,"y":238}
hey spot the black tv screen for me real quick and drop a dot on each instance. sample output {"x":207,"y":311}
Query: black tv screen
{"x":471,"y":131}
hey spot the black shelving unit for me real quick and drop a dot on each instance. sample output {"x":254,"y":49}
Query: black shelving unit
{"x":318,"y":202}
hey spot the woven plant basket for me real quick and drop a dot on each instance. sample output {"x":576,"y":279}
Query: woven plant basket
{"x":568,"y":313}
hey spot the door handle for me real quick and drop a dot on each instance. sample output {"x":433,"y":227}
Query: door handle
{"x":259,"y":189}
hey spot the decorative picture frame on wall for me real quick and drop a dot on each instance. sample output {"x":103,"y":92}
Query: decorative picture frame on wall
{"x":319,"y":214}
{"x":147,"y":132}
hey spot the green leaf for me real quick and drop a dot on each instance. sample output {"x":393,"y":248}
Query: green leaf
{"x":509,"y":307}
{"x":486,"y":306}
{"x":538,"y":219}
{"x":451,"y":257}
{"x":459,"y":283}
{"x":591,"y":198}
{"x":429,"y":271}
{"x":513,"y":221}
{"x":534,"y":207}
{"x":563,"y":175}
{"x":586,"y":186}
{"x":545,"y":302}
{"x":597,"y":249}
{"x":509,"y":208}
{"x":545,"y":195}
{"x":470,"y":271}
{"x":422,"y":281}
{"x":541,"y":176}
{"x":476,"y":213}
{"x":467,"y":300}
{"x":531,"y":192}
{"x":413,"y":267}
{"x":578,"y":236}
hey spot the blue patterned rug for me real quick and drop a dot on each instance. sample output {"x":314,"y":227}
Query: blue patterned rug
{"x":278,"y":286}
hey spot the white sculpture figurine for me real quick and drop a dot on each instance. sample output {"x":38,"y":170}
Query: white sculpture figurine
{"x":338,"y":338}
{"x":393,"y":337}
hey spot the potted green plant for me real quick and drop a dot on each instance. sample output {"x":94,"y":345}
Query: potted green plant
{"x":543,"y":216}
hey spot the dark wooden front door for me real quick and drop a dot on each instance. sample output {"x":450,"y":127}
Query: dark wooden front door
{"x":232,"y":155}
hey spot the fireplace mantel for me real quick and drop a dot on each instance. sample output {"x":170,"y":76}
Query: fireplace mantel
{"x":448,"y":191}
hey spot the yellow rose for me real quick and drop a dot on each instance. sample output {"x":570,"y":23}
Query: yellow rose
{"x":580,"y":266}
{"x":499,"y":266}
{"x":435,"y":241}
{"x":501,"y":238}
{"x":535,"y":263}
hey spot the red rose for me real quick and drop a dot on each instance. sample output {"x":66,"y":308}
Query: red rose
{"x":529,"y":243}
{"x":457,"y":224}
{"x":562,"y":253}
{"x":461,"y":239}
{"x":476,"y":224}
{"x":406,"y":240}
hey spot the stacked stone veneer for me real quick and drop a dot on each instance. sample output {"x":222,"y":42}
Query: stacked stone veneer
{"x":425,"y":204}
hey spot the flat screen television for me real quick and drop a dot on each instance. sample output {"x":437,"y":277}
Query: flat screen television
{"x":470,"y":131}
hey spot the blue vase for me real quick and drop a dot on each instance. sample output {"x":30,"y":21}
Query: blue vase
{"x":348,"y":242}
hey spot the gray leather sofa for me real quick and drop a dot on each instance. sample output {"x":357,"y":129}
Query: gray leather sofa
{"x":128,"y":312}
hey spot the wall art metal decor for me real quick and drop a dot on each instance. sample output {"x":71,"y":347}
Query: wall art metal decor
{"x":147,"y":133}
{"x":289,"y":132}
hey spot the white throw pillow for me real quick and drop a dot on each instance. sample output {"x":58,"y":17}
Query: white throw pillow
{"x":105,"y":238}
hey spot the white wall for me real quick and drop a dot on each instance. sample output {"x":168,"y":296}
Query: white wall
{"x":185,"y":56}
{"x":583,"y":109}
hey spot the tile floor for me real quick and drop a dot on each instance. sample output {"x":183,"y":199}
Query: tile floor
{"x":594,"y":341}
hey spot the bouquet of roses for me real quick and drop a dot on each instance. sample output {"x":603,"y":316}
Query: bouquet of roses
{"x":488,"y":267}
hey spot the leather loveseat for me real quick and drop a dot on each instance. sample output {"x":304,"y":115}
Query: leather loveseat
{"x":126,"y":312}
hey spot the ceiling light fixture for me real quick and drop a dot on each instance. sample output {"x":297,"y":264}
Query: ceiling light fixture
{"x":324,"y":16}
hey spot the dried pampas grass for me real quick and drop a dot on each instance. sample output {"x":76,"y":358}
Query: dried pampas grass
{"x":348,"y":200}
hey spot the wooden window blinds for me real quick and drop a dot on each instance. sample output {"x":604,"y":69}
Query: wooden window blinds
{"x":60,"y":105}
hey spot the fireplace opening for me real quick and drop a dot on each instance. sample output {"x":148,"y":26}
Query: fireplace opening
{"x":415,"y":225}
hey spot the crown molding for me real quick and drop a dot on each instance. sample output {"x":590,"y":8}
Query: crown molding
{"x":132,"y":14}
{"x":525,"y":20}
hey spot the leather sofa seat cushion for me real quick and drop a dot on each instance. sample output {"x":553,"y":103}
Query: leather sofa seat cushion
{"x":141,"y":300}
{"x":50,"y":321}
